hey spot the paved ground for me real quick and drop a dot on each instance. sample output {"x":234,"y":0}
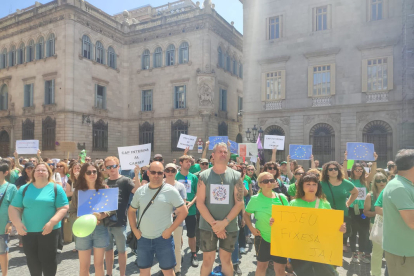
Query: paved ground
{"x":69,"y":265}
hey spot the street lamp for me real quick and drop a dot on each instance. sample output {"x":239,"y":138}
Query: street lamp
{"x":253,"y":133}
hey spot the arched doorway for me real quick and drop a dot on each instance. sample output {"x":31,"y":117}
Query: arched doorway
{"x":4,"y":144}
{"x":239,"y":138}
{"x":379,"y":133}
{"x":322,"y":139}
{"x":280,"y":154}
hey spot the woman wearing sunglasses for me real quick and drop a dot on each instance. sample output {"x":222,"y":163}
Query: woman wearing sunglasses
{"x":278,"y":186}
{"x":261,"y":206}
{"x":90,"y":178}
{"x":377,"y":186}
{"x":293,"y":187}
{"x":337,"y":189}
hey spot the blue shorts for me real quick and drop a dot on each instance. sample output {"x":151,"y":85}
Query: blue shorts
{"x":98,"y":239}
{"x":160,"y":247}
{"x":119,"y":234}
{"x":4,"y":244}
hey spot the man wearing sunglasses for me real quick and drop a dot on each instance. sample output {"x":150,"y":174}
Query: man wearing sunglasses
{"x":145,"y":177}
{"x":118,"y":232}
{"x":190,"y":182}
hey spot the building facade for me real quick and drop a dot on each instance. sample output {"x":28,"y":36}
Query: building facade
{"x":70,"y":72}
{"x":330,"y":72}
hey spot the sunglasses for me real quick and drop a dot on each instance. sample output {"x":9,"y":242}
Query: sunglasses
{"x":158,"y":159}
{"x":112,"y":167}
{"x":272,"y":168}
{"x":91,"y":172}
{"x":299,"y":173}
{"x":204,"y":164}
{"x":50,"y":164}
{"x":159,"y":173}
{"x":333,"y":169}
{"x":267,"y":181}
{"x":170,"y":171}
{"x":359,"y":170}
{"x":58,"y":167}
{"x":250,"y":170}
{"x":380,"y":180}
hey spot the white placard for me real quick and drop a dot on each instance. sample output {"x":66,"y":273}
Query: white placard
{"x":253,"y":159}
{"x":366,"y":169}
{"x":134,"y":155}
{"x":219,"y":194}
{"x":248,"y":150}
{"x":186,"y":185}
{"x":186,"y":141}
{"x":27,"y":146}
{"x":362,"y":193}
{"x":274,"y":141}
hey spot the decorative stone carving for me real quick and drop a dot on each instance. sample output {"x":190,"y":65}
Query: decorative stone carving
{"x":262,"y":122}
{"x":335,"y":118}
{"x":205,"y":91}
{"x":322,"y":101}
{"x":393,"y":115}
{"x":273,"y":105}
{"x":285,"y":121}
{"x":361,"y":116}
{"x":379,"y":97}
{"x":309,"y":119}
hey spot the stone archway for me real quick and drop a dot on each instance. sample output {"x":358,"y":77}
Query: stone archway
{"x":322,"y":139}
{"x":379,"y":133}
{"x":280,"y":154}
{"x":4,"y":144}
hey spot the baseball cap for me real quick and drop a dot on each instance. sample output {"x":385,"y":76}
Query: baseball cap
{"x":171,"y":165}
{"x":203,"y":160}
{"x":158,"y":156}
{"x":283,"y":162}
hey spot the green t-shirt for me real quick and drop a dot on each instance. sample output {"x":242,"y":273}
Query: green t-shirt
{"x":14,"y":174}
{"x":298,"y":202}
{"x":292,"y":189}
{"x":398,"y":238}
{"x":358,"y":185}
{"x":379,"y":199}
{"x":8,"y":198}
{"x":261,"y":207}
{"x":340,"y":193}
{"x":191,"y":188}
{"x":39,"y":205}
{"x":195,"y":168}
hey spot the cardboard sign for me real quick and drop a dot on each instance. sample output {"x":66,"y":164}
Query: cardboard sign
{"x":274,"y":141}
{"x":217,"y":139}
{"x":307,"y":234}
{"x":68,"y":146}
{"x":27,"y":146}
{"x":248,"y":150}
{"x":186,"y":141}
{"x":134,"y":155}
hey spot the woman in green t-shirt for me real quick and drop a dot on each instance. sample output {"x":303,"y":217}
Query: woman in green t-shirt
{"x":292,"y":187}
{"x":261,"y":206}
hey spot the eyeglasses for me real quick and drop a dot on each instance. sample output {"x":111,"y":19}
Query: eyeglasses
{"x":299,"y":173}
{"x":359,"y":170}
{"x":204,"y":164}
{"x":380,"y":180}
{"x":58,"y":167}
{"x":170,"y":171}
{"x":159,"y":173}
{"x":91,"y":172}
{"x":333,"y":169}
{"x":111,"y":167}
{"x":40,"y":171}
{"x":272,"y":168}
{"x":250,"y":169}
{"x":267,"y":181}
{"x":87,"y":159}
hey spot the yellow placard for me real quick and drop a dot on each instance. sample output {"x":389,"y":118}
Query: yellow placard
{"x":307,"y":234}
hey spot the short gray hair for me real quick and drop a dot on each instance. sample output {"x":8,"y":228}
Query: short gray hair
{"x":221,"y":144}
{"x":404,"y":159}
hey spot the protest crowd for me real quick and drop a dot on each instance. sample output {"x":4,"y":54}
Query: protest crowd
{"x":223,"y":203}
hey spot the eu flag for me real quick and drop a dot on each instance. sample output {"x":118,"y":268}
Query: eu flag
{"x":92,"y":201}
{"x":234,"y":147}
{"x":217,"y":139}
{"x":300,"y":152}
{"x":360,"y":151}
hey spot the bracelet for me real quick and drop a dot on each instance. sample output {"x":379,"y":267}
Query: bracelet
{"x":227,"y":219}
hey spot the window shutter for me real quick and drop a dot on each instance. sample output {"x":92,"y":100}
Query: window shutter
{"x":263,"y":87}
{"x":46,"y":92}
{"x":225,"y":101}
{"x":310,"y":81}
{"x":104,"y":98}
{"x":53,"y":92}
{"x":142,"y":100}
{"x":103,"y":56}
{"x":96,"y":95}
{"x":283,"y":77}
{"x":267,"y":37}
{"x":364,"y":75}
{"x":37,"y":51}
{"x":185,"y":97}
{"x":6,"y":100}
{"x":390,"y":62}
{"x":91,"y":56}
{"x":26,"y":96}
{"x":220,"y":99}
{"x":175,"y":97}
{"x":10,"y":58}
{"x":31,"y":94}
{"x":28,"y":53}
{"x":333,"y":78}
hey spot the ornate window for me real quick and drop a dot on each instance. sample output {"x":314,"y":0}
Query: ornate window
{"x":3,"y":59}
{"x":180,"y":97}
{"x":111,"y":58}
{"x":321,"y":80}
{"x":4,"y":97}
{"x":30,"y":51}
{"x":146,"y":134}
{"x":220,"y":58}
{"x":4,"y":144}
{"x":184,"y":53}
{"x":223,"y":100}
{"x":273,"y":86}
{"x":99,"y":53}
{"x":50,"y":46}
{"x":274,"y":130}
{"x":322,"y":139}
{"x":40,"y":50}
{"x":100,"y":96}
{"x":86,"y":47}
{"x":177,"y":129}
{"x":48,"y":133}
{"x":223,"y":129}
{"x":170,"y":55}
{"x":12,"y":56}
{"x":274,"y":27}
{"x":28,"y":95}
{"x":146,"y":60}
{"x":379,"y":133}
{"x":146,"y":100}
{"x":100,"y":136}
{"x":228,"y":62}
{"x":28,"y":129}
{"x":158,"y":57}
{"x":49,"y":92}
{"x":20,"y":54}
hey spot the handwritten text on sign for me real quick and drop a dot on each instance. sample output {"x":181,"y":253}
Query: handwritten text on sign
{"x":274,"y":142}
{"x":186,"y":141}
{"x":27,"y":146}
{"x":134,"y":155}
{"x":307,"y":234}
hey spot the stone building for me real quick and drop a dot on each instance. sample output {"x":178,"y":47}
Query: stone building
{"x":70,"y":72}
{"x":329,"y":72}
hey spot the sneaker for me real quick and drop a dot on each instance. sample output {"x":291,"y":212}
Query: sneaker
{"x":237,"y":269}
{"x":59,"y":251}
{"x":249,"y":241}
{"x":194,"y":261}
{"x":363,"y":258}
{"x":178,"y":273}
{"x":242,"y":250}
{"x":355,"y":258}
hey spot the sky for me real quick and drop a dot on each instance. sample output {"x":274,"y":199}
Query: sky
{"x":231,"y":10}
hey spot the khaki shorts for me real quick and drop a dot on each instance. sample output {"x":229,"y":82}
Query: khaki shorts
{"x":399,"y":265}
{"x":208,"y":241}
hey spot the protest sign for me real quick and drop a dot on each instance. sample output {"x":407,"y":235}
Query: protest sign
{"x":300,"y":152}
{"x":274,"y":141}
{"x":360,"y":151}
{"x":248,"y":150}
{"x":134,"y":155}
{"x":67,"y":146}
{"x":27,"y":146}
{"x":186,"y":141}
{"x":307,"y":234}
{"x":234,"y":147}
{"x":215,"y":140}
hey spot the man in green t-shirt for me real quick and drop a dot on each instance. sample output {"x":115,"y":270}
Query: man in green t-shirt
{"x":398,"y":208}
{"x":190,"y":182}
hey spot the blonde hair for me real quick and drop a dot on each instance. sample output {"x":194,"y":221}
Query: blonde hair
{"x":374,"y":187}
{"x":260,"y":177}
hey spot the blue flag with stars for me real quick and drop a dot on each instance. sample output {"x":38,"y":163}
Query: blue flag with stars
{"x":92,"y":201}
{"x":234,"y":147}
{"x":217,"y":139}
{"x":300,"y":152}
{"x":360,"y":151}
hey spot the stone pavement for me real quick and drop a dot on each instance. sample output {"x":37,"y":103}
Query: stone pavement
{"x":69,"y":264}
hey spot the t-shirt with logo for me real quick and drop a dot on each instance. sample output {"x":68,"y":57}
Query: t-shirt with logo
{"x":359,"y":186}
{"x":190,"y":183}
{"x":7,"y":196}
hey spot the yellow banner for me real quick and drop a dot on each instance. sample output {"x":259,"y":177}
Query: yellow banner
{"x":307,"y":234}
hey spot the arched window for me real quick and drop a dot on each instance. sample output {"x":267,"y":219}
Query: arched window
{"x":146,"y":134}
{"x":3,"y":59}
{"x":146,"y":59}
{"x":86,"y":47}
{"x":158,"y":57}
{"x":223,"y":129}
{"x":12,"y":56}
{"x":100,"y":136}
{"x":49,"y":133}
{"x":184,"y":53}
{"x":4,"y":95}
{"x":40,"y":48}
{"x":177,"y":129}
{"x":30,"y":51}
{"x":228,"y":62}
{"x":99,"y":53}
{"x":20,"y":54}
{"x":50,"y":46}
{"x":28,"y":129}
{"x":239,"y":138}
{"x":379,"y":133}
{"x":274,"y":130}
{"x":111,"y":58}
{"x":170,"y":55}
{"x":322,"y":139}
{"x":4,"y":144}
{"x":220,"y":58}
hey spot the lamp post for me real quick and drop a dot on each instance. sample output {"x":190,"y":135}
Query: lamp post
{"x":252,"y":135}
